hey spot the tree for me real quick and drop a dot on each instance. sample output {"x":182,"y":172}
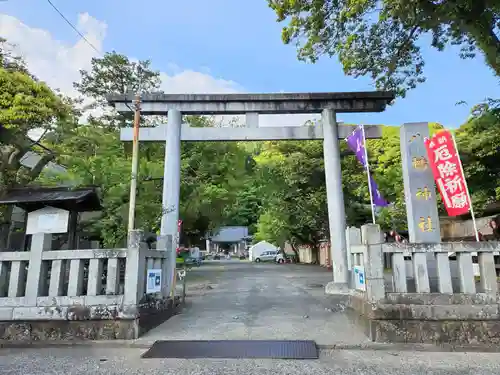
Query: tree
{"x":212,"y":177}
{"x":10,"y":61}
{"x":479,"y":146}
{"x":383,"y":39}
{"x":116,"y":74}
{"x":94,"y":156}
{"x":296,"y":204}
{"x":26,"y":106}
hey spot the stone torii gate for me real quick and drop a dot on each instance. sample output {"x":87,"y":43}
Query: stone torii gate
{"x":251,"y":105}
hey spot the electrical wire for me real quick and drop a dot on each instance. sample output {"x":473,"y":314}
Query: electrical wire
{"x":73,"y":27}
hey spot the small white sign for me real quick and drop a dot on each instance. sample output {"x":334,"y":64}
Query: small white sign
{"x":47,"y":220}
{"x":359,"y":278}
{"x":153,"y":281}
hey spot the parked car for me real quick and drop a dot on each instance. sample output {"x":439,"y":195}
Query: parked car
{"x":266,"y":256}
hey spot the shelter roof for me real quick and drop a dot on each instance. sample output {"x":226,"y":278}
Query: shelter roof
{"x":71,"y":199}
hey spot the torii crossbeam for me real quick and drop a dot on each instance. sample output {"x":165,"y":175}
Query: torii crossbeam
{"x":251,"y":105}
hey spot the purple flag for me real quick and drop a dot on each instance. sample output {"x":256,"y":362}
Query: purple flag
{"x":356,"y":144}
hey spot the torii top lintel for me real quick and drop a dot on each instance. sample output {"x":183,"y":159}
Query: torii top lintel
{"x":234,"y":104}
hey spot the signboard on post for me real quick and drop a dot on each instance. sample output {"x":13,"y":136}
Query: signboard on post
{"x":153,"y":284}
{"x":47,"y":220}
{"x":359,"y":278}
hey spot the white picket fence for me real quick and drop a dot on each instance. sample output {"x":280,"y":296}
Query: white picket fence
{"x":90,"y":277}
{"x":366,"y":249}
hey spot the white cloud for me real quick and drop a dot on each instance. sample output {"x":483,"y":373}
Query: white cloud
{"x":58,"y":63}
{"x":51,"y":60}
{"x":190,"y":82}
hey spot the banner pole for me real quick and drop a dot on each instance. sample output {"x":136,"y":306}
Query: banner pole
{"x":466,"y":188}
{"x":368,"y":173}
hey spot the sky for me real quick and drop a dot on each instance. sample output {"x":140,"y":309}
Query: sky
{"x":223,"y":46}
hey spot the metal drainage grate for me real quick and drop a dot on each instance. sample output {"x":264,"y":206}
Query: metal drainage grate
{"x":280,"y":349}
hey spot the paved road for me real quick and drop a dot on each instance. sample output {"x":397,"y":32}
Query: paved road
{"x":72,"y":361}
{"x":238,"y":300}
{"x":243,"y":300}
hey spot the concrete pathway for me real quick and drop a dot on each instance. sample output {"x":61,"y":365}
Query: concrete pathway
{"x":243,"y":300}
{"x":108,"y":361}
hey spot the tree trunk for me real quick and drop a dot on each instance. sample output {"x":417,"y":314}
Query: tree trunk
{"x":5,"y":223}
{"x":315,"y":254}
{"x":296,"y":252}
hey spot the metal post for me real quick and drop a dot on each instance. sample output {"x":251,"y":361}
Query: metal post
{"x":336,"y":208}
{"x":368,"y":174}
{"x":171,"y":186}
{"x":135,"y":165}
{"x":184,"y":285}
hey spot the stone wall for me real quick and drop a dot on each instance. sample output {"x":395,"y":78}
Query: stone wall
{"x":452,"y":228}
{"x":83,"y":322}
{"x":455,"y":319}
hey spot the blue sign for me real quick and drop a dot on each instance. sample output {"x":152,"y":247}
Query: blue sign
{"x":359,"y":278}
{"x":153,"y":281}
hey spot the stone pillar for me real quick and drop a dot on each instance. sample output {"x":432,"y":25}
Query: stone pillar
{"x":166,"y":243}
{"x":420,"y":190}
{"x":419,"y":187}
{"x":207,"y":245}
{"x":135,"y":270}
{"x":37,"y":273}
{"x":336,"y":209}
{"x":373,"y":262}
{"x":171,"y":186}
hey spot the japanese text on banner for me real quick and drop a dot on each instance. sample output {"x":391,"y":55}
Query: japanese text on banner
{"x":445,"y":164}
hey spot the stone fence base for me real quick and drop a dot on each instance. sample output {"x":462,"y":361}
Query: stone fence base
{"x":79,"y":322}
{"x":456,"y":319}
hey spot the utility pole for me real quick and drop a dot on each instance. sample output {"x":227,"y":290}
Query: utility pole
{"x":135,"y":164}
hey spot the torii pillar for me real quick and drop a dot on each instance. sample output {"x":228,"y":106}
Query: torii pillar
{"x":251,"y":105}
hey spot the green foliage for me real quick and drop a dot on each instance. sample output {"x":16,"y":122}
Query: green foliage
{"x":295,"y":208}
{"x":93,"y":156}
{"x":383,"y":39}
{"x":212,"y":177}
{"x":9,"y":61}
{"x":478,"y":142}
{"x":26,"y":105}
{"x":116,"y":74}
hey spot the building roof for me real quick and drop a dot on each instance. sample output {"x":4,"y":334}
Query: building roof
{"x":34,"y":198}
{"x":230,"y":234}
{"x":30,"y":159}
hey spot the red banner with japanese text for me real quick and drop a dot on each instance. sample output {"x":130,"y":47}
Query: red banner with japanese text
{"x":448,"y":174}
